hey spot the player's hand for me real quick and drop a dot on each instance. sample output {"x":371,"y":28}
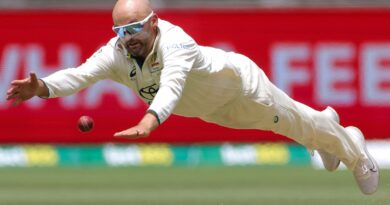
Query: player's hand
{"x":148,"y":123}
{"x":22,"y":90}
{"x":133,"y":132}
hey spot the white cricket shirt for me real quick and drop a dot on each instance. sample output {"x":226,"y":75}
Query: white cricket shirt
{"x":178,"y":76}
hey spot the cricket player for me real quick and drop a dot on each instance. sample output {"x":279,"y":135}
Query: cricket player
{"x":173,"y":74}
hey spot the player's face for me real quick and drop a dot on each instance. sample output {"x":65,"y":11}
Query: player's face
{"x":138,"y":37}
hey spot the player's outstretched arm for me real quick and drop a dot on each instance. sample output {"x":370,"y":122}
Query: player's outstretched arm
{"x":22,"y":90}
{"x":148,"y":123}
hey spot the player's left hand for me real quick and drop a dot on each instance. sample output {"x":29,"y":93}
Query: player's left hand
{"x":133,"y":132}
{"x":148,"y":123}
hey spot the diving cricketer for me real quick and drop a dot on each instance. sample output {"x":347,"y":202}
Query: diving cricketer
{"x":173,"y":74}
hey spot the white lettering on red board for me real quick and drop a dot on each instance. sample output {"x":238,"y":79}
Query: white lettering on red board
{"x":18,"y":60}
{"x":375,"y":74}
{"x":331,"y":68}
{"x":334,"y":71}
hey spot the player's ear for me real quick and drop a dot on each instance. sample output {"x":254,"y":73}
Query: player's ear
{"x":154,"y":21}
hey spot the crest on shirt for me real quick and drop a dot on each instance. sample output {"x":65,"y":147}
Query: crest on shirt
{"x":153,"y":57}
{"x":155,"y":64}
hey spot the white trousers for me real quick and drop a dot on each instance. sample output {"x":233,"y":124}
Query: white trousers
{"x":263,"y":106}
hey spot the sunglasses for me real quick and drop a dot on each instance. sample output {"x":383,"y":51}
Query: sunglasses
{"x":132,"y":28}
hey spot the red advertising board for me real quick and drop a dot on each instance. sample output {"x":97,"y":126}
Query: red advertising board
{"x":337,"y":57}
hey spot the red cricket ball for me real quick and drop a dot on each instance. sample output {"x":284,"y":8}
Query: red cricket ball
{"x":85,"y":123}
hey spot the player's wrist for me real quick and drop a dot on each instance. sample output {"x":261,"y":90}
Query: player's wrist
{"x":149,"y":122}
{"x":155,"y":115}
{"x":42,"y":91}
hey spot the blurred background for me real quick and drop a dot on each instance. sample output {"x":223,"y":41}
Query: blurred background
{"x":321,"y":52}
{"x":102,"y":4}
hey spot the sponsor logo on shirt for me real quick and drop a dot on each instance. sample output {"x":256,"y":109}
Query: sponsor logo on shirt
{"x":133,"y":72}
{"x":149,"y":92}
{"x":176,"y":46}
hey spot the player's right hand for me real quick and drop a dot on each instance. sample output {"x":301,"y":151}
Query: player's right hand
{"x":22,"y":90}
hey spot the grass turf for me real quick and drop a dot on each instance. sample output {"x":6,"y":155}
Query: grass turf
{"x":184,"y":186}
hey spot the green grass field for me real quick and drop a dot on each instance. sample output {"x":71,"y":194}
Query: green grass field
{"x":184,"y":186}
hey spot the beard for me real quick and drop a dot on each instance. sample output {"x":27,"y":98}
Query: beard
{"x":135,"y":48}
{"x":140,"y":44}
